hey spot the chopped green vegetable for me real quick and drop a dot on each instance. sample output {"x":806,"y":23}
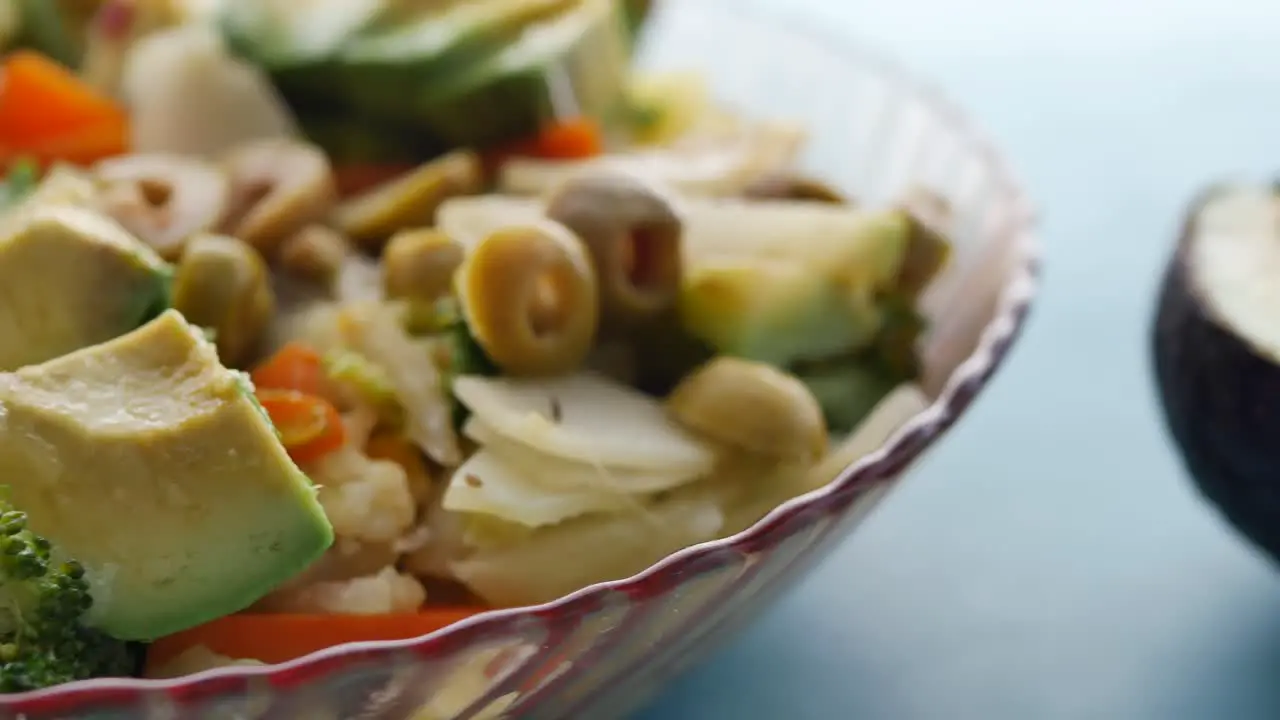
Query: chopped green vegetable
{"x":466,"y":357}
{"x":900,"y":331}
{"x":354,"y":368}
{"x":43,"y":601}
{"x":432,"y":318}
{"x":848,"y":392}
{"x":20,"y":182}
{"x":368,"y":380}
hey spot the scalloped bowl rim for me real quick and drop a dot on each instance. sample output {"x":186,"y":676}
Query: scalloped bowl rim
{"x":902,"y":448}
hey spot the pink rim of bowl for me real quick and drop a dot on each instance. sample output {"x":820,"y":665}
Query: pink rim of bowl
{"x":1001,"y":324}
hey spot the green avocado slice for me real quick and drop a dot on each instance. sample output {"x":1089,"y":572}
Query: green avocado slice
{"x":756,"y":289}
{"x":70,"y":278}
{"x":150,"y":463}
{"x":379,"y":67}
{"x":290,"y":34}
{"x":576,"y":63}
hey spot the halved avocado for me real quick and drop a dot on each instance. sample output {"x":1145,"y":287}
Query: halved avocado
{"x":1216,"y":351}
{"x":152,"y":464}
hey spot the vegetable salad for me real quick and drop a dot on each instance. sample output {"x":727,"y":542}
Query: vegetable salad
{"x":524,"y":318}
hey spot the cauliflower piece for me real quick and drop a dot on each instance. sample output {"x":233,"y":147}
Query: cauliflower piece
{"x":444,"y":541}
{"x":364,"y":499}
{"x":386,"y":592}
{"x":196,"y":659}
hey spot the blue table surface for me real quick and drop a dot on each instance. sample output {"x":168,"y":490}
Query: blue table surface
{"x":1050,"y":560}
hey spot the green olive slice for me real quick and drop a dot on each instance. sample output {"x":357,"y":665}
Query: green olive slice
{"x":223,"y":284}
{"x":530,"y":299}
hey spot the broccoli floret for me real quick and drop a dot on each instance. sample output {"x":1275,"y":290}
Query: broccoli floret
{"x":43,"y":601}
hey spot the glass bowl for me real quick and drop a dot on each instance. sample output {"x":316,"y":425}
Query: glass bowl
{"x":601,"y":652}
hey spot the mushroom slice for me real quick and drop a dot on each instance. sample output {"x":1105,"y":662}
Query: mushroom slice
{"x":163,"y":199}
{"x":634,"y":236}
{"x":278,"y":187}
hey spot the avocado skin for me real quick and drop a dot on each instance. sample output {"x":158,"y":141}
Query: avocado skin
{"x":1221,"y":404}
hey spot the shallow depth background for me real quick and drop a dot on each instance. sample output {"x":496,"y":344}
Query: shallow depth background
{"x":1050,"y":560}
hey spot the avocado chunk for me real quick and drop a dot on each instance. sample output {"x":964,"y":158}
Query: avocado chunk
{"x":757,"y":288}
{"x":381,"y":66}
{"x":1216,"y":352}
{"x":575,"y":64}
{"x":287,"y":34}
{"x":825,"y":292}
{"x":71,"y":278}
{"x":151,"y":464}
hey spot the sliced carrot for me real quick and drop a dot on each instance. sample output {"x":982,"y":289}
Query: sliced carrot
{"x":310,"y":426}
{"x":280,"y":638}
{"x":294,"y":367}
{"x":85,"y":147}
{"x":568,"y":140}
{"x":45,"y":109}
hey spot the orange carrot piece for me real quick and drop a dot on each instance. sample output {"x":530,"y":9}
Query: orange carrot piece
{"x":85,"y":147}
{"x":45,"y":108}
{"x":281,"y":638}
{"x":294,"y":367}
{"x":310,"y":426}
{"x":568,"y":140}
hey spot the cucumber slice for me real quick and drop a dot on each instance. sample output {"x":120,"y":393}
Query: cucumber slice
{"x":575,"y":64}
